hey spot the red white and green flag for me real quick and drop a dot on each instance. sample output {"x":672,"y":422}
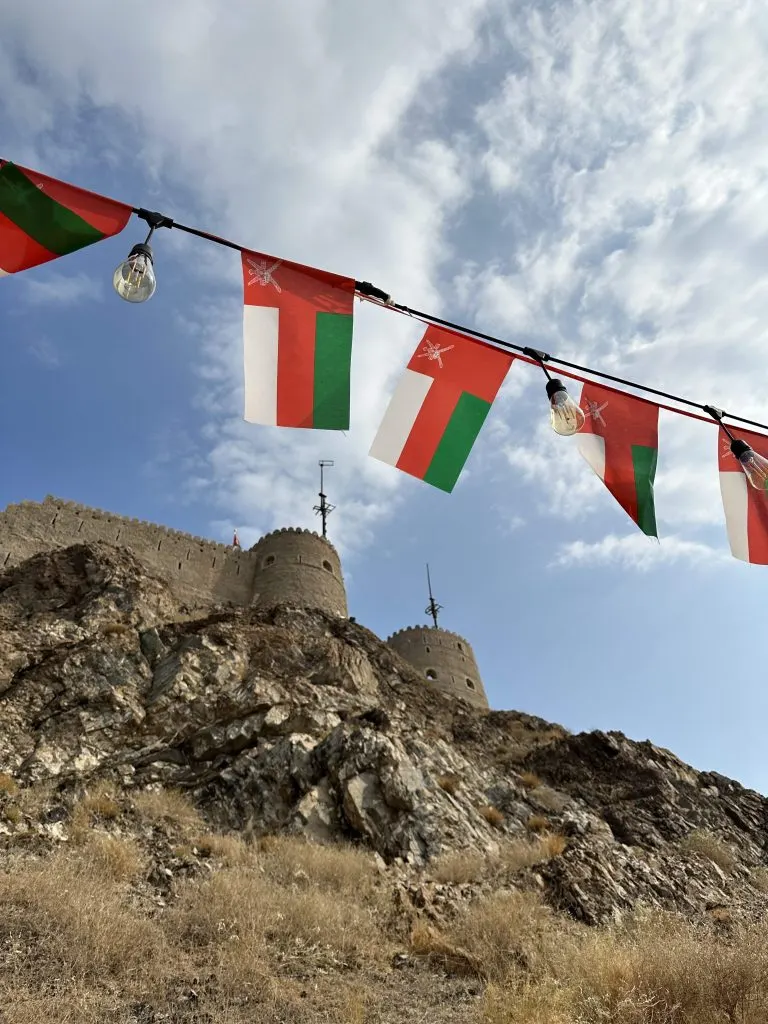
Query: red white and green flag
{"x":42,"y":218}
{"x":620,"y":441}
{"x":297,"y":329}
{"x":439,"y":406}
{"x":746,"y":509}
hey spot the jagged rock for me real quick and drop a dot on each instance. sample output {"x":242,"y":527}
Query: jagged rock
{"x":290,"y":719}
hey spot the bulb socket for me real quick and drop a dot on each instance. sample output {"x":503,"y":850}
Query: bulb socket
{"x":739,"y":448}
{"x":142,"y":249}
{"x":554,"y":386}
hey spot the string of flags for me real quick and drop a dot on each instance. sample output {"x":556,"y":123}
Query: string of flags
{"x":297,"y":353}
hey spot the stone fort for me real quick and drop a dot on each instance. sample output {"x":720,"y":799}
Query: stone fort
{"x":287,"y":566}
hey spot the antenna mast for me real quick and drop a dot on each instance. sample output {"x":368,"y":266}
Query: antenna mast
{"x":433,"y":607}
{"x":324,"y":509}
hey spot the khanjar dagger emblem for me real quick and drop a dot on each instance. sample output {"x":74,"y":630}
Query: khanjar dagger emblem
{"x":595,"y":411}
{"x":433,"y":352}
{"x":260,"y":272}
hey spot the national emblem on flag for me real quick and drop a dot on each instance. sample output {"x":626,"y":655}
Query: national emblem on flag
{"x":297,"y":330}
{"x":42,"y":218}
{"x":439,"y":406}
{"x":620,"y":441}
{"x":745,"y":507}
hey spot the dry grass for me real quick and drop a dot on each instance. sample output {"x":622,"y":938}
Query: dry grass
{"x":709,"y":846}
{"x":112,"y":857}
{"x":167,"y":807}
{"x":461,"y":867}
{"x":537,"y":823}
{"x":230,"y":850}
{"x":530,"y":780}
{"x":759,"y":878}
{"x":287,"y":930}
{"x":114,"y":629}
{"x":12,"y":813}
{"x":337,"y":869}
{"x":75,"y":923}
{"x":8,"y":784}
{"x":449,"y":783}
{"x":492,"y":815}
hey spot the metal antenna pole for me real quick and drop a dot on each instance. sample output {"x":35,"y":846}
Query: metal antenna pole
{"x":433,"y":607}
{"x":324,"y":509}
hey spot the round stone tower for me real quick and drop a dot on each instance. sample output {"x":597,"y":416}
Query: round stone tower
{"x":444,"y":658}
{"x":294,"y":566}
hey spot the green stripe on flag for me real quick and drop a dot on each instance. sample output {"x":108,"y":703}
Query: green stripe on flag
{"x":644,"y":464}
{"x":333,"y":358}
{"x":49,"y":223}
{"x":457,"y":440}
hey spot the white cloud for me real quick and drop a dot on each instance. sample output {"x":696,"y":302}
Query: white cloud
{"x":625,"y":155}
{"x":638,"y":552}
{"x":61,"y":290}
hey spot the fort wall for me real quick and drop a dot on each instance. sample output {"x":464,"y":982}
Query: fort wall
{"x":199,"y":571}
{"x":445,"y":659}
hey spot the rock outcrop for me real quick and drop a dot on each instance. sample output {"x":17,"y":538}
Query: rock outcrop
{"x":292,"y":721}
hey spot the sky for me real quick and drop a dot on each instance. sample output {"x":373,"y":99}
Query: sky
{"x":589,"y":178}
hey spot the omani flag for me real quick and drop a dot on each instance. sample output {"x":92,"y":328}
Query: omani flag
{"x":439,"y":406}
{"x":42,"y":218}
{"x":297,"y":332}
{"x":620,"y":441}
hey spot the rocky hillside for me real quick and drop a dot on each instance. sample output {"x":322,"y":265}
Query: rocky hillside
{"x":292,"y":723}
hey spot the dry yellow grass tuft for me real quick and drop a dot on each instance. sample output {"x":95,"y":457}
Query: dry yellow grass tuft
{"x":759,"y":878}
{"x":449,"y":783}
{"x":530,"y":780}
{"x":492,"y":815}
{"x":167,"y":807}
{"x":114,"y":629}
{"x":12,"y":813}
{"x":342,"y":869}
{"x":230,"y":850}
{"x":113,"y":857}
{"x":8,"y":784}
{"x":537,"y":823}
{"x":709,"y":846}
{"x":460,"y":867}
{"x":463,"y":866}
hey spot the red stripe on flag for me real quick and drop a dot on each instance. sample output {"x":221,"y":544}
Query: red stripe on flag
{"x":303,"y":293}
{"x":757,"y":501}
{"x":429,"y":427}
{"x":106,"y":215}
{"x":469,"y":365}
{"x":17,"y":250}
{"x":622,"y":421}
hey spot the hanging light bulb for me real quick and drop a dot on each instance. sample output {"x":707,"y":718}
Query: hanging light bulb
{"x":134,"y":279}
{"x":755,"y":466}
{"x":565,"y":415}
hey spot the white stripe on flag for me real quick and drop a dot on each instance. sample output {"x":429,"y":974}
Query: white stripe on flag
{"x":400,"y":416}
{"x":592,"y":447}
{"x":4,"y":273}
{"x":260,"y":327}
{"x":734,"y":491}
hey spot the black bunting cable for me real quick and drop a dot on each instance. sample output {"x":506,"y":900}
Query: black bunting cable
{"x":367,"y":291}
